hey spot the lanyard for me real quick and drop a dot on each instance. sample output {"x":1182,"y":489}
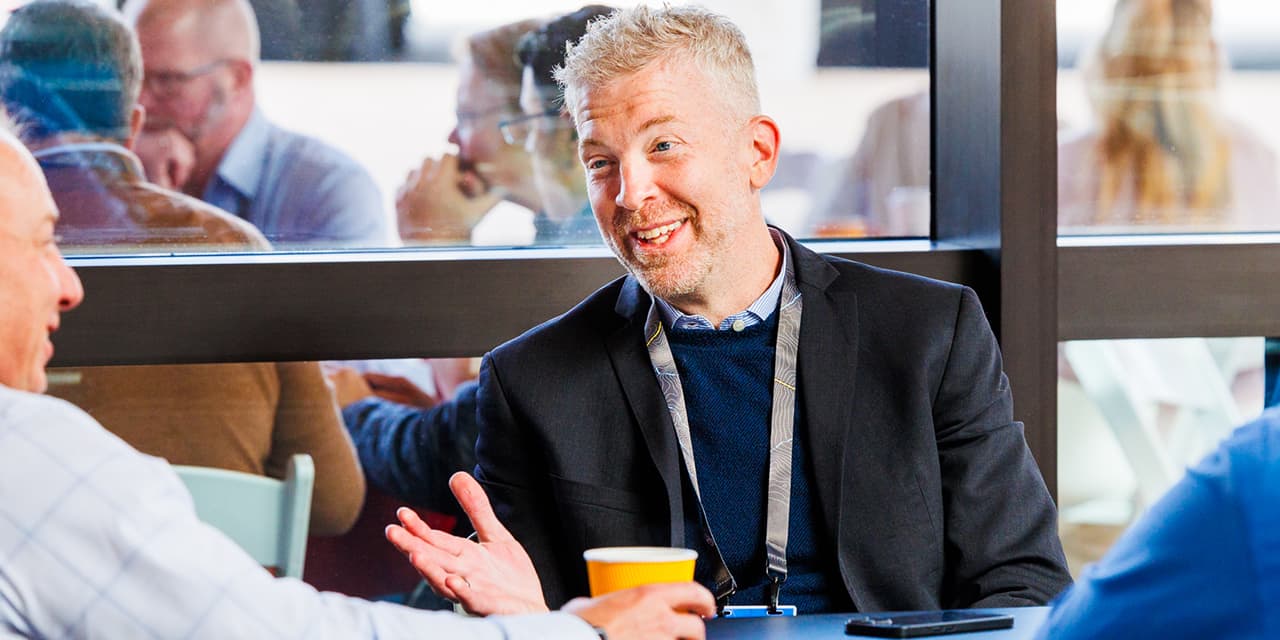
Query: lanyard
{"x":781,"y":426}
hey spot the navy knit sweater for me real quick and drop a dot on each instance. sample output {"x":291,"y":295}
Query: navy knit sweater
{"x":727,"y":379}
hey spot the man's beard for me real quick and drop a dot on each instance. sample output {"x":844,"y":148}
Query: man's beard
{"x":670,"y":277}
{"x":195,"y":132}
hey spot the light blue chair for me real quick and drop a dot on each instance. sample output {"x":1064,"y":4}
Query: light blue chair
{"x":268,"y":518}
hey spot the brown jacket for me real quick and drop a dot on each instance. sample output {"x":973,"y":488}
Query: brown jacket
{"x":247,"y":417}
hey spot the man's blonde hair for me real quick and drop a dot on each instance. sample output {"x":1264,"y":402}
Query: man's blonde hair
{"x":632,"y":39}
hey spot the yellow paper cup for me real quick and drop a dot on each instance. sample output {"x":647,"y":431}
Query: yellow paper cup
{"x":612,"y":569}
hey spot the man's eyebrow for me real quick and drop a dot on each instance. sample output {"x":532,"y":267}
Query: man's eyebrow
{"x":653,"y":122}
{"x":650,"y":123}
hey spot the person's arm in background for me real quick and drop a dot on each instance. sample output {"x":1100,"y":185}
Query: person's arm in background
{"x":1200,"y":564}
{"x":307,"y":421}
{"x":410,"y":452}
{"x":999,"y":520}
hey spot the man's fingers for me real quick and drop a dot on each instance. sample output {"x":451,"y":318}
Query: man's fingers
{"x":384,"y":381}
{"x":431,"y":563}
{"x":476,"y":505}
{"x":686,"y":596}
{"x":445,"y":542}
{"x":688,"y":626}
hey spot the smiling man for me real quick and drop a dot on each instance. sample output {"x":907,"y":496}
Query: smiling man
{"x":826,"y":434}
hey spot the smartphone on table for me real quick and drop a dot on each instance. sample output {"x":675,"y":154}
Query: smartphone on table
{"x":915,"y":624}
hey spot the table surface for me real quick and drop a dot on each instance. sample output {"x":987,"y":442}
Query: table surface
{"x":830,"y":626}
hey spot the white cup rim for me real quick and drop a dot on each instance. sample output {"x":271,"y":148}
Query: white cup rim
{"x":639,"y":554}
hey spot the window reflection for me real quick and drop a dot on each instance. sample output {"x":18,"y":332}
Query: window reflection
{"x":318,"y":155}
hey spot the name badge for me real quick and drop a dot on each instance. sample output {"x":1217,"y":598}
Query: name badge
{"x":756,"y":611}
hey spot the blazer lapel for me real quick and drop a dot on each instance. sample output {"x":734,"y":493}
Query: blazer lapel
{"x":827,"y":361}
{"x":635,"y":374}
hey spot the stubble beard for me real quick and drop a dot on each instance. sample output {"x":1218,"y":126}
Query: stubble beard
{"x":666,"y":276}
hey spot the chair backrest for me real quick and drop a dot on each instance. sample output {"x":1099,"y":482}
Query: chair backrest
{"x":267,"y":517}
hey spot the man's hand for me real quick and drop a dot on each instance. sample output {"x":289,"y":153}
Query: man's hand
{"x":493,"y":576}
{"x":348,"y":384}
{"x":671,"y":610}
{"x":399,"y":389}
{"x":167,"y":157}
{"x":441,"y":202}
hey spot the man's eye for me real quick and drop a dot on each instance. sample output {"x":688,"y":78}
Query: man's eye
{"x":597,"y":164}
{"x":662,"y":146}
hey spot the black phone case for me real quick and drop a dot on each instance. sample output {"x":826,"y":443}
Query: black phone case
{"x":922,"y":629}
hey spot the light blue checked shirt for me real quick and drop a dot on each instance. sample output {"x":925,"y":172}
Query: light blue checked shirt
{"x":98,"y":540}
{"x":298,"y":191}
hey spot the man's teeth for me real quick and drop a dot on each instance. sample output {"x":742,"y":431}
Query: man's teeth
{"x":659,"y":235}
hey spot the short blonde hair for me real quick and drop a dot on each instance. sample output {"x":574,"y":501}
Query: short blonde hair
{"x":632,"y":39}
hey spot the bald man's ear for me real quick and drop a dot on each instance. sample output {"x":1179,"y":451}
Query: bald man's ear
{"x":765,"y":139}
{"x":241,"y":75}
{"x":137,"y":118}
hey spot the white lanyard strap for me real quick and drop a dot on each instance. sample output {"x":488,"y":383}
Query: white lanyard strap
{"x":781,"y":428}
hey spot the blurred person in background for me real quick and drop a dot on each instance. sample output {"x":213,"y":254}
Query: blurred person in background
{"x":1162,"y":152}
{"x":410,"y":442}
{"x":545,"y":128}
{"x":444,"y":199}
{"x":205,"y":135}
{"x":70,"y":73}
{"x":883,"y":189}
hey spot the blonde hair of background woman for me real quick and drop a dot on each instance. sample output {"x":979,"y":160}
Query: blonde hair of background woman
{"x":1152,"y":83}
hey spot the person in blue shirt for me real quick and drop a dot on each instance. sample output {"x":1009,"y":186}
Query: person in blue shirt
{"x":1204,"y":562}
{"x":206,"y":137}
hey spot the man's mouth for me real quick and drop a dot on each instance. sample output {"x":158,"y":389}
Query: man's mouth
{"x":658,"y":236}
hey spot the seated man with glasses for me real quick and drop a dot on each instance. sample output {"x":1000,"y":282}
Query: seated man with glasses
{"x":411,"y":452}
{"x":206,"y":137}
{"x":546,"y":131}
{"x":442,"y":201}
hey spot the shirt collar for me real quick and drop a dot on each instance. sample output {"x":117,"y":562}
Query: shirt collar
{"x":755,"y":313}
{"x":99,"y":154}
{"x":241,"y":166}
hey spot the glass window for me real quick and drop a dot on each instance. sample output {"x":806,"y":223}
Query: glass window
{"x":1166,"y":116}
{"x":1132,"y":415}
{"x":375,"y":124}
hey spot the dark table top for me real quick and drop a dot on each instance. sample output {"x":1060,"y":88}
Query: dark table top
{"x":830,"y":626}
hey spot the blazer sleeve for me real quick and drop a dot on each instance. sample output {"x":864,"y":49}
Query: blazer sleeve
{"x":511,"y":467}
{"x":1001,"y":539}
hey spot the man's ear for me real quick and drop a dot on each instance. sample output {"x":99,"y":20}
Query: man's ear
{"x":137,"y":117}
{"x":765,"y":139}
{"x":241,"y":75}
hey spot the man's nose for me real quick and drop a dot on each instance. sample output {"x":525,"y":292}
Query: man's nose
{"x":636,"y":184}
{"x":71,"y":291}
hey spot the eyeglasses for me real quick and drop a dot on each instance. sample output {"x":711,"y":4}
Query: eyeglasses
{"x":517,"y":130}
{"x":166,"y":83}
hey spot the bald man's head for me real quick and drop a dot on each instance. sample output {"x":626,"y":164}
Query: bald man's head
{"x":198,"y":60}
{"x":220,"y":28}
{"x":35,"y":284}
